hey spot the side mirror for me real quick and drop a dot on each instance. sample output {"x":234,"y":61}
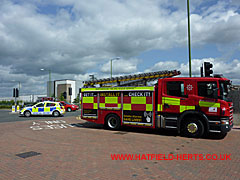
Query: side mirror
{"x":34,"y":106}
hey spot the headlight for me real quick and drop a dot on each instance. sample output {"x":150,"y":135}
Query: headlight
{"x":224,"y":122}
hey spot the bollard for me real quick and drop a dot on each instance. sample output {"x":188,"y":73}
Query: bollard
{"x":18,"y":108}
{"x":13,"y":108}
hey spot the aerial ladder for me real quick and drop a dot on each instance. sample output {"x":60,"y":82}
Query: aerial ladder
{"x":131,"y":80}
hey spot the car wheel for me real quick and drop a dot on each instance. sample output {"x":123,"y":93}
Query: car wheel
{"x":193,"y":127}
{"x":113,"y":122}
{"x":69,"y":109}
{"x":56,"y":113}
{"x":27,"y":113}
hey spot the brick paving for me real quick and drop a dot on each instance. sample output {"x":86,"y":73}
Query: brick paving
{"x":84,"y":152}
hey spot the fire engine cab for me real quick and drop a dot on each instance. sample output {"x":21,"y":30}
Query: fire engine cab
{"x":192,"y":106}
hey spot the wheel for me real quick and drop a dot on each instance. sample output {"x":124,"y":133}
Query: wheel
{"x":113,"y":122}
{"x":27,"y":113}
{"x":193,"y":127}
{"x":69,"y":109}
{"x":56,"y":113}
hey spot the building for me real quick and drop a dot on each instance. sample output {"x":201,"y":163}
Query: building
{"x":66,"y":87}
{"x":25,"y":98}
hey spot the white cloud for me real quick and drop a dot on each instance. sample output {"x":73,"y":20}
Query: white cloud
{"x":120,"y":66}
{"x":78,"y":37}
{"x":228,"y":69}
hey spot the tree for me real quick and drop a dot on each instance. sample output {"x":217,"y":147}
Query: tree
{"x":77,"y":99}
{"x":62,"y":97}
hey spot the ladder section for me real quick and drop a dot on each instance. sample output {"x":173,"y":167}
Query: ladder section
{"x":132,"y":80}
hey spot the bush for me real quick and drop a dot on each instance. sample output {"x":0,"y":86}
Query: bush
{"x":62,"y":97}
{"x":5,"y":106}
{"x":7,"y":102}
{"x":77,"y":99}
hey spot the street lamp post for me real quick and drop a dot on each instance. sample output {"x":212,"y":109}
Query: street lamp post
{"x":111,"y":63}
{"x":189,"y":41}
{"x":50,"y":86}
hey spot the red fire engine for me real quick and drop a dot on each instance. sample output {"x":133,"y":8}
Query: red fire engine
{"x":192,"y":106}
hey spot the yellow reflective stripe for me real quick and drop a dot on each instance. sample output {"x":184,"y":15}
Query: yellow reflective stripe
{"x":111,"y":100}
{"x":118,"y":89}
{"x":102,"y":105}
{"x":138,"y":100}
{"x":160,"y":107}
{"x":190,"y":107}
{"x":209,"y":104}
{"x":95,"y":105}
{"x":127,"y":107}
{"x":88,"y":99}
{"x":149,"y":107}
{"x":34,"y":109}
{"x":47,"y":109}
{"x":184,"y":108}
{"x":171,"y":101}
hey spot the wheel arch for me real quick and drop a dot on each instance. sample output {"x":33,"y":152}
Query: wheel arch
{"x":109,"y":114}
{"x":27,"y":110}
{"x":57,"y":111}
{"x":202,"y":116}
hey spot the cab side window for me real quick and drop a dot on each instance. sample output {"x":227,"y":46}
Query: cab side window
{"x":175,"y":88}
{"x":40,"y":105}
{"x":50,"y":104}
{"x":206,"y":89}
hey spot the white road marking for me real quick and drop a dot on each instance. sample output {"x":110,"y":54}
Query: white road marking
{"x":44,"y":125}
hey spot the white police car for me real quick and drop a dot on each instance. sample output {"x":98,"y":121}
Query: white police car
{"x":44,"y":108}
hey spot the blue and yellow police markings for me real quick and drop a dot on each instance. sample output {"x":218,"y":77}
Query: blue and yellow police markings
{"x":34,"y":110}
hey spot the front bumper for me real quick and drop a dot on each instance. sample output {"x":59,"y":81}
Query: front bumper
{"x":21,"y":113}
{"x":222,"y":125}
{"x":226,"y":128}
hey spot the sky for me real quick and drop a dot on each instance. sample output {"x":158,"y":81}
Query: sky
{"x":75,"y":39}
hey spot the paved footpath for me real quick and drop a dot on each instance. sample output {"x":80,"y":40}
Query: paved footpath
{"x":68,"y":148}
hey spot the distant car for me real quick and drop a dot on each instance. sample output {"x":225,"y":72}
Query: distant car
{"x":69,"y":107}
{"x":43,"y":108}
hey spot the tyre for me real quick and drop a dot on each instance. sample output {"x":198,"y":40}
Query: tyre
{"x":69,"y":109}
{"x":56,"y":113}
{"x":27,"y":113}
{"x":113,"y":122}
{"x":193,"y":127}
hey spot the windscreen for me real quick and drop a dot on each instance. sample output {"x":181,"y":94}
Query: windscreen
{"x":224,"y":90}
